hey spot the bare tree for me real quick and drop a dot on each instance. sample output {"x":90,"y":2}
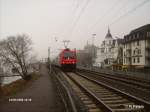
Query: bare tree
{"x":14,"y":52}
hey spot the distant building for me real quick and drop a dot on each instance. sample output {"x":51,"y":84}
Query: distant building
{"x":109,"y":51}
{"x":86,"y":57}
{"x":136,"y":47}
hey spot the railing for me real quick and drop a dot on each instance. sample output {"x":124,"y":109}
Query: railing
{"x":69,"y":100}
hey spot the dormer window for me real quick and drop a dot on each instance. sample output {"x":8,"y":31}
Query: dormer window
{"x":109,"y":42}
{"x":148,"y":34}
{"x":137,"y":35}
{"x":133,"y":36}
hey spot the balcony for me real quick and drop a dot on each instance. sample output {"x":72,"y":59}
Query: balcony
{"x":128,"y":49}
{"x":137,"y":55}
{"x":127,"y":56}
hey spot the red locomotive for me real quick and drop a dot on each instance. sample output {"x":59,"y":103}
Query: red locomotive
{"x":68,"y":59}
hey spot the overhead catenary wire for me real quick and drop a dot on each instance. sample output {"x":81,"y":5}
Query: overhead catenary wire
{"x":105,"y":14}
{"x":72,"y":14}
{"x":129,"y":12}
{"x":110,"y":10}
{"x":78,"y":17}
{"x":76,"y":7}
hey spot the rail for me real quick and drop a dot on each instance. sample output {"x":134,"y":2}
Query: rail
{"x":134,"y":82}
{"x":132,"y":98}
{"x":95,"y":98}
{"x":136,"y":74}
{"x":65,"y":94}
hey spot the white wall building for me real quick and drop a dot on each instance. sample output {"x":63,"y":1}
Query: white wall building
{"x":136,"y":47}
{"x":108,"y":52}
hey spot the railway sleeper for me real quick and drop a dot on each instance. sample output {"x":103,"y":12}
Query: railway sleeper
{"x":117,"y":101}
{"x":84,"y":98}
{"x":92,"y":106}
{"x":94,"y":110}
{"x":87,"y":102}
{"x":106,"y":96}
{"x":112,"y":98}
{"x":103,"y":92}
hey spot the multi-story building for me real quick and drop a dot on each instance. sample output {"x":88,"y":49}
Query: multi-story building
{"x":109,"y":51}
{"x":136,"y":47}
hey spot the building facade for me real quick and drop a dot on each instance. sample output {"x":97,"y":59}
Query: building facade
{"x":136,"y":47}
{"x":109,"y":51}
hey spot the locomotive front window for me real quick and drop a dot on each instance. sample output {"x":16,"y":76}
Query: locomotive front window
{"x":68,"y":54}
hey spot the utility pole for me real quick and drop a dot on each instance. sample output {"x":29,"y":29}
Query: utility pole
{"x":93,"y":37}
{"x":48,"y":52}
{"x":49,"y":61}
{"x":93,"y":49}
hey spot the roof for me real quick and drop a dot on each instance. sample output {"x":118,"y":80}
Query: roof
{"x":137,"y":34}
{"x":108,"y":35}
{"x":142,"y":28}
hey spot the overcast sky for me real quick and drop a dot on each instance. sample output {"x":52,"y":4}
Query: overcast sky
{"x":46,"y":21}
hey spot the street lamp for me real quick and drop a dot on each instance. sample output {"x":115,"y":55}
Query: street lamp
{"x":93,"y":49}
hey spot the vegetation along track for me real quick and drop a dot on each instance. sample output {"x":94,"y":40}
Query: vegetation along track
{"x":142,"y":85}
{"x":104,"y":97}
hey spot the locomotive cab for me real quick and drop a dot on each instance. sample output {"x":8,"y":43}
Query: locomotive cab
{"x":68,"y":59}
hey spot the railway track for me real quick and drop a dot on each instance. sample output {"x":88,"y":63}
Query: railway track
{"x":139,"y":84}
{"x":89,"y":103}
{"x":99,"y":97}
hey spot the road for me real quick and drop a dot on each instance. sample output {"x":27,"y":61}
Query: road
{"x":41,"y":96}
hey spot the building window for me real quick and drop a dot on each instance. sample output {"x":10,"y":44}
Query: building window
{"x":102,"y":50}
{"x":137,"y":35}
{"x":109,"y":42}
{"x":133,"y":43}
{"x":138,"y":60}
{"x":124,"y":46}
{"x":148,"y":34}
{"x":104,"y":43}
{"x":109,"y":49}
{"x":139,"y":51}
{"x":133,"y":36}
{"x":138,"y":43}
{"x":134,"y":52}
{"x":133,"y":60}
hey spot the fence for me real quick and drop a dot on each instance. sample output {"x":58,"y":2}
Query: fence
{"x":72,"y":103}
